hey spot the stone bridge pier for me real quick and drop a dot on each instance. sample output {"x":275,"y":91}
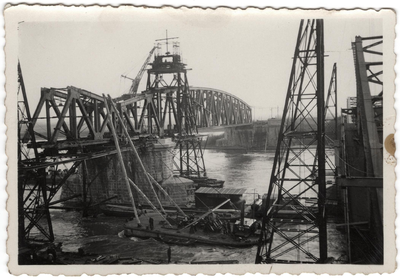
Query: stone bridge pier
{"x":158,"y":161}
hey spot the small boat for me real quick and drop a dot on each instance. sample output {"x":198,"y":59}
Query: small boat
{"x":206,"y":182}
{"x":214,"y":183}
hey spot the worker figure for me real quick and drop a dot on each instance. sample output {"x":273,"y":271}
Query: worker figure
{"x":228,"y":226}
{"x":169,"y":254}
{"x":51,"y":255}
{"x":151,"y":223}
{"x":224,"y":227}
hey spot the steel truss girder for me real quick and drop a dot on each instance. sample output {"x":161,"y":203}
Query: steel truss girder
{"x":75,"y":118}
{"x":80,"y":115}
{"x":369,"y":123}
{"x":218,"y":108}
{"x":366,"y":73}
{"x":298,"y":172}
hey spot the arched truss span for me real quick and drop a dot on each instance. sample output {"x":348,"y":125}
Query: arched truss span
{"x":214,"y":107}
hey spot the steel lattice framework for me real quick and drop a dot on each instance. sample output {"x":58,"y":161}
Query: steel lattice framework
{"x":369,"y":99}
{"x":172,"y":110}
{"x":294,"y":221}
{"x":69,"y":126}
{"x":68,"y":142}
{"x":32,"y":192}
{"x":368,"y":62}
{"x":213,"y":107}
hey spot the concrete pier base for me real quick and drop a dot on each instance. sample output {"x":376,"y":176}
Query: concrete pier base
{"x":158,"y":161}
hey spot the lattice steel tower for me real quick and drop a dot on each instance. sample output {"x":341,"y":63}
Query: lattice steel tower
{"x":171,"y":108}
{"x":294,"y":220}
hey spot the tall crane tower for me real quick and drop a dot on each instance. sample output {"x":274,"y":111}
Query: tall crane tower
{"x":294,"y":220}
{"x":169,"y":111}
{"x":135,"y":82}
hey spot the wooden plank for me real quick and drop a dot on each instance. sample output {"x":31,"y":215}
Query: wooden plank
{"x":205,"y":215}
{"x":149,"y":202}
{"x":136,"y":154}
{"x":166,"y":194}
{"x":121,"y":160}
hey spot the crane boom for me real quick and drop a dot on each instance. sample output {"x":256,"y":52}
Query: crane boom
{"x":136,"y":81}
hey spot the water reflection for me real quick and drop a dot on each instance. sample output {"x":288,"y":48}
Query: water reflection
{"x":240,"y":169}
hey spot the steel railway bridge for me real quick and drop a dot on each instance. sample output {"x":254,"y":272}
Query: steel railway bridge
{"x":71,"y":125}
{"x":76,"y":126}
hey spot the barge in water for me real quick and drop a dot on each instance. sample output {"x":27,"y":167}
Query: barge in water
{"x":205,"y":229}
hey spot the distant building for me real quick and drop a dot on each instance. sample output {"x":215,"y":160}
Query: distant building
{"x":351,"y":103}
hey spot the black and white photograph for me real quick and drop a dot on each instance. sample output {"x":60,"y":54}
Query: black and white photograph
{"x":177,"y":137}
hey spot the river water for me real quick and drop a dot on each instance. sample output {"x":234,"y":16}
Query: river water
{"x":239,"y":169}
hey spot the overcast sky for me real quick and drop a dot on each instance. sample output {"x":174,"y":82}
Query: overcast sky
{"x":248,"y":54}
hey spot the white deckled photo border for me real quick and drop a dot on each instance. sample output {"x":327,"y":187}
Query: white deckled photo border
{"x":15,"y":14}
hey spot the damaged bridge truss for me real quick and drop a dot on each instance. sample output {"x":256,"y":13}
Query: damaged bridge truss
{"x":82,"y":131}
{"x":70,"y":126}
